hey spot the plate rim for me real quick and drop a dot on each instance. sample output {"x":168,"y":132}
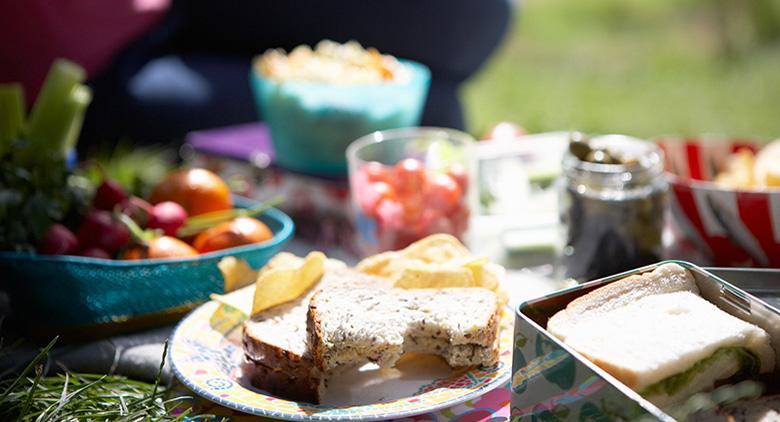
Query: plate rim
{"x":504,"y":375}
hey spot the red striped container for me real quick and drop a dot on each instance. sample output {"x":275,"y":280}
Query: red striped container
{"x":735,"y":227}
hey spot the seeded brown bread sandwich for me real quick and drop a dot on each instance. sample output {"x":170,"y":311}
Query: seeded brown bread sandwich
{"x":349,"y":327}
{"x":275,"y":342}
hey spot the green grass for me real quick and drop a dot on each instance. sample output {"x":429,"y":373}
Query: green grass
{"x":640,"y":67}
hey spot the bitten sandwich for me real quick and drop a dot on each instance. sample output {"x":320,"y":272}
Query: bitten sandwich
{"x":323,"y":317}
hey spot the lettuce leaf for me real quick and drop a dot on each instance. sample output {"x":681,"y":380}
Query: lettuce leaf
{"x":749,"y":365}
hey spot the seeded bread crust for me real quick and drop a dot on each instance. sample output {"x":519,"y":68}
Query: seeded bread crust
{"x":294,"y":382}
{"x":280,"y":361}
{"x":475,"y":345}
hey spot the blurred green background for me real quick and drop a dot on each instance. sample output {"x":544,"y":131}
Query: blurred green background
{"x":640,"y":67}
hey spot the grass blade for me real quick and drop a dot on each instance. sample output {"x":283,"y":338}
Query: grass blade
{"x":44,"y":352}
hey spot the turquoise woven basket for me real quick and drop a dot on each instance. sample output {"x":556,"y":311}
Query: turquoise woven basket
{"x":68,"y":291}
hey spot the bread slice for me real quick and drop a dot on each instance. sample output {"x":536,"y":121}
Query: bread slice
{"x":353,"y":326}
{"x":667,"y":278}
{"x":275,"y":342}
{"x":645,"y":329}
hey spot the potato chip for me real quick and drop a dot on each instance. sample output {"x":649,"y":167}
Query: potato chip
{"x":425,"y":277}
{"x":767,"y":167}
{"x":434,"y":249}
{"x":282,"y":260}
{"x":376,"y":264}
{"x":437,"y":248}
{"x":240,"y":300}
{"x":284,"y":283}
{"x":738,"y":171}
{"x":437,"y":261}
{"x":236,"y":273}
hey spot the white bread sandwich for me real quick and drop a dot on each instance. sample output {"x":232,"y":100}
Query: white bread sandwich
{"x":353,"y":326}
{"x":654,"y":333}
{"x":275,"y":341}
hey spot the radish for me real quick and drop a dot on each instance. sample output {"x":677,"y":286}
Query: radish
{"x":167,"y":216}
{"x":95,"y":253}
{"x":100,"y":229}
{"x":137,"y":209}
{"x":108,"y":195}
{"x":58,"y":240}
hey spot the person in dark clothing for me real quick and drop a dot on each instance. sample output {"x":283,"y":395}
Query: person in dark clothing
{"x":191,"y":71}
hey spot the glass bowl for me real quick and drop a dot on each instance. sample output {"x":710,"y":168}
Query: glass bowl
{"x":409,"y":183}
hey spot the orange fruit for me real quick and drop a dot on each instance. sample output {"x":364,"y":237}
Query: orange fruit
{"x":197,"y":190}
{"x":237,"y":232}
{"x":161,"y":247}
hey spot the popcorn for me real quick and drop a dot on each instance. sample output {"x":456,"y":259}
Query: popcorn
{"x":333,"y":63}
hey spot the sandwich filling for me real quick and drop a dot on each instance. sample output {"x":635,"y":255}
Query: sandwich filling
{"x":727,"y":363}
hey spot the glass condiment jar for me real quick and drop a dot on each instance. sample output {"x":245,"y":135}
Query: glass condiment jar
{"x":613,"y":205}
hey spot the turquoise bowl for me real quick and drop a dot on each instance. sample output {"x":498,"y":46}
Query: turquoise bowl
{"x":62,"y":292}
{"x":313,"y":123}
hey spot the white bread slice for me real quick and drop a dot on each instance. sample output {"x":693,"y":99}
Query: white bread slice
{"x":354,"y":326}
{"x":666,"y":278}
{"x":661,"y":335}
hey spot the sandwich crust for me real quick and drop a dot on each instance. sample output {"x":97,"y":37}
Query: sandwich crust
{"x":667,"y":278}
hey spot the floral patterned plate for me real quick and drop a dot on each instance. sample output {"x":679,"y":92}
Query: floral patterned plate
{"x":206,"y":355}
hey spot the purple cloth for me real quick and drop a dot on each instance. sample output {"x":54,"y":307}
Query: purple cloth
{"x":248,"y":142}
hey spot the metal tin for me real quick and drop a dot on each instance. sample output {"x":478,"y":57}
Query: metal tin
{"x":551,"y":381}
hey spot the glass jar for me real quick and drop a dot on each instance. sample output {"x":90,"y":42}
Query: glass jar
{"x":613,"y":214}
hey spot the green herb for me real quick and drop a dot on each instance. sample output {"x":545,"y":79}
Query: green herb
{"x":199,"y":223}
{"x":32,"y":198}
{"x":85,"y":397}
{"x":136,"y":169}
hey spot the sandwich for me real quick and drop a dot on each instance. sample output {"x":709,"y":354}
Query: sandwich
{"x":276,"y":352}
{"x":658,"y":336}
{"x":348,"y":318}
{"x":349,"y":327}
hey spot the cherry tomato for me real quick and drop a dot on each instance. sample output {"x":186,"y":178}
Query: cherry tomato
{"x":390,"y":214}
{"x":458,"y":172}
{"x":460,"y":220}
{"x":443,"y":193}
{"x":505,"y":130}
{"x":371,"y":195}
{"x":433,"y":221}
{"x":410,"y":177}
{"x":375,"y":171}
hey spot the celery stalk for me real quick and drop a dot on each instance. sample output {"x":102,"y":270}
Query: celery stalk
{"x":53,"y":111}
{"x":12,"y":109}
{"x":81,"y":96}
